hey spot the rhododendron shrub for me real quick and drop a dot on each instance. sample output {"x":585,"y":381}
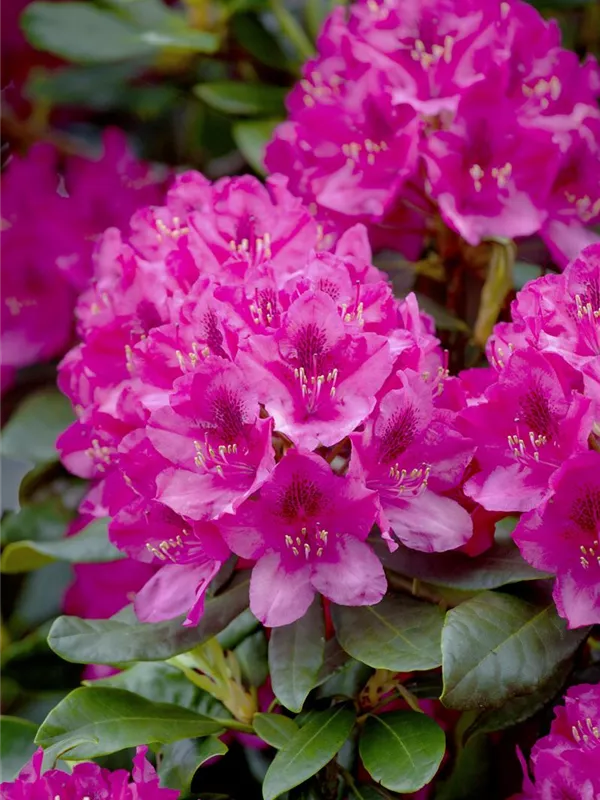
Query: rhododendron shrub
{"x":466,"y":112}
{"x":225,"y":360}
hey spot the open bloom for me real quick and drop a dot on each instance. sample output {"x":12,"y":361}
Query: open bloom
{"x":565,"y":762}
{"x":87,"y":780}
{"x":307,"y":530}
{"x":562,"y":537}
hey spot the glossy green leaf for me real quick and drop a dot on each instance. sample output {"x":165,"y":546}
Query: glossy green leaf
{"x":274,"y":729}
{"x":16,"y":745}
{"x":470,"y":776}
{"x":258,"y":41}
{"x":93,"y":721}
{"x":501,"y":564}
{"x":524,"y":272}
{"x":497,"y":647}
{"x":237,"y":630}
{"x":315,"y":744}
{"x":32,"y":430}
{"x":180,"y":760}
{"x":402,"y":750}
{"x":115,"y":641}
{"x":296,"y":654}
{"x":251,"y":655}
{"x":251,"y":138}
{"x":399,"y":633}
{"x":45,"y":521}
{"x":91,"y":545}
{"x":82,"y":32}
{"x":244,"y":99}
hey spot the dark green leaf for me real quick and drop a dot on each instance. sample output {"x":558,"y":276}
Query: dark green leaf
{"x":116,"y":641}
{"x":295,"y":657}
{"x":180,"y":760}
{"x":399,"y":633}
{"x":470,"y":776}
{"x":91,"y":545}
{"x":93,"y":721}
{"x":164,"y":683}
{"x":518,"y":709}
{"x":500,"y":565}
{"x":16,"y":745}
{"x":252,"y":138}
{"x":41,"y":522}
{"x":274,"y":729}
{"x":237,"y":630}
{"x":251,"y":655}
{"x":335,"y":659}
{"x":242,"y":98}
{"x":258,"y":41}
{"x":32,"y":430}
{"x":523,"y":273}
{"x":315,"y":744}
{"x":402,"y":750}
{"x":497,"y":647}
{"x":444,"y":320}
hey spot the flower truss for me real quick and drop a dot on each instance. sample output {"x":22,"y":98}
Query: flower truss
{"x":467,"y":111}
{"x":240,"y":389}
{"x":534,"y":417}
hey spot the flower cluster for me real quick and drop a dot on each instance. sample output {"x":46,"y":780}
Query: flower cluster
{"x":87,"y":780}
{"x":566,"y":763}
{"x":467,"y":111}
{"x":534,"y":415}
{"x":48,"y":236}
{"x":240,"y":389}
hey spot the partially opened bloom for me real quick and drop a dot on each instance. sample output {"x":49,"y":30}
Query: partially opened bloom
{"x":307,"y":530}
{"x":565,"y":762}
{"x":561,"y":537}
{"x":88,"y":780}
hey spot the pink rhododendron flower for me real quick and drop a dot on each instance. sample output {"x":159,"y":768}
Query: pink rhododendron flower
{"x":389,"y":126}
{"x":307,"y":530}
{"x":221,"y":343}
{"x":88,"y":780}
{"x":565,"y":762}
{"x":561,"y":536}
{"x":48,"y":237}
{"x":532,"y":418}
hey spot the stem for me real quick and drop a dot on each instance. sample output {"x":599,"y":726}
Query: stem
{"x":292,"y":30}
{"x":234,"y":725}
{"x":415,"y":588}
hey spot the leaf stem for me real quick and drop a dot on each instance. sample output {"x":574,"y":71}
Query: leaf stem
{"x":233,"y":725}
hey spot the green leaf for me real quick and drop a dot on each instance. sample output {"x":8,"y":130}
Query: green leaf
{"x":274,"y":729}
{"x":237,"y":630}
{"x":16,"y":745}
{"x":90,"y":546}
{"x":315,"y":744}
{"x":258,"y":41}
{"x":470,"y":776}
{"x":295,"y":657}
{"x":31,"y":432}
{"x":41,"y":522}
{"x":496,"y":647}
{"x":518,"y":709}
{"x":180,"y":760}
{"x":524,"y":272}
{"x":399,"y":633}
{"x":244,"y":99}
{"x":402,"y":750}
{"x":115,"y":641}
{"x":82,"y":32}
{"x":251,"y":655}
{"x":252,"y":138}
{"x":94,"y":721}
{"x":500,"y":565}
{"x":164,"y":683}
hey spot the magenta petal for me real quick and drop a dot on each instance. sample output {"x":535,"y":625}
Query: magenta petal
{"x":174,"y":590}
{"x":279,"y":596}
{"x":430,"y":523}
{"x":577,"y":600}
{"x":355,"y":578}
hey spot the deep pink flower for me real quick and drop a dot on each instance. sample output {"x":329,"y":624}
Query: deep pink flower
{"x":410,"y":453}
{"x":562,"y":537}
{"x":307,"y":530}
{"x":531,"y":420}
{"x":87,"y":780}
{"x":316,"y":378}
{"x":565,"y":762}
